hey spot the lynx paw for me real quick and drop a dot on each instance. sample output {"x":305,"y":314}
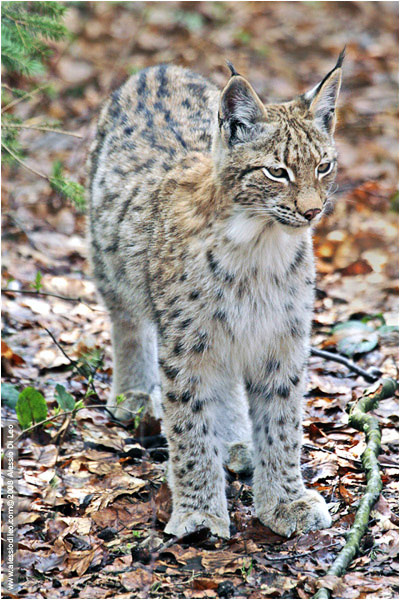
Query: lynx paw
{"x":183,"y":523}
{"x":240,"y":459}
{"x":308,"y":513}
{"x":136,"y":402}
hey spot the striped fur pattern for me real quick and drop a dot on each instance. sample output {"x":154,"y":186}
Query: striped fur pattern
{"x":200,"y":235}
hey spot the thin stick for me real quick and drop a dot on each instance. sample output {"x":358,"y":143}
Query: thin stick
{"x":294,"y":556}
{"x":38,"y":128}
{"x":65,"y":414}
{"x":344,"y":361}
{"x":24,"y":164}
{"x":28,"y":95}
{"x":360,"y":420}
{"x":39,"y":293}
{"x":354,"y":460}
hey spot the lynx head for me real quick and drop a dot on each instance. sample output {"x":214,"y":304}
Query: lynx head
{"x":278,"y":160}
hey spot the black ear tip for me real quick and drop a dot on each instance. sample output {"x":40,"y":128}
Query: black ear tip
{"x":232,"y":69}
{"x":341,"y":58}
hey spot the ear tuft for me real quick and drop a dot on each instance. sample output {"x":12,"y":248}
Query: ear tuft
{"x":232,"y":69}
{"x":341,"y":58}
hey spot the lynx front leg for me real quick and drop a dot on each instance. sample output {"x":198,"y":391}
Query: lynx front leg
{"x":281,"y":499}
{"x":135,"y":367}
{"x":195,"y":471}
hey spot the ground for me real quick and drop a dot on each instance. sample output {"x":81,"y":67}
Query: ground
{"x":92,"y":496}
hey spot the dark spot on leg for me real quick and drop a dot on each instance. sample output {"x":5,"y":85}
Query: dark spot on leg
{"x":178,"y":348}
{"x":283,"y":391}
{"x":185,"y":396}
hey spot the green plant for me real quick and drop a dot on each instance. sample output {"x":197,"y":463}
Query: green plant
{"x":31,"y":407}
{"x":27,"y":31}
{"x":37,"y":284}
{"x":246,"y":569}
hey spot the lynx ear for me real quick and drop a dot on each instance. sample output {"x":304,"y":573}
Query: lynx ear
{"x":323,"y":97}
{"x":240,"y":109}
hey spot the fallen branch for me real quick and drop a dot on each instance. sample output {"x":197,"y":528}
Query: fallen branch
{"x":360,"y":420}
{"x":370,"y":377}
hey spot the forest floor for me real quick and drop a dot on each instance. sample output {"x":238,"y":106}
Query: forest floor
{"x":92,"y":497}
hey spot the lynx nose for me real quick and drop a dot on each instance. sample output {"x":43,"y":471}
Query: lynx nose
{"x":312,"y":213}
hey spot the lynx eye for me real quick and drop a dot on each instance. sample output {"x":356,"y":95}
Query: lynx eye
{"x":276,"y":174}
{"x":324,"y":168}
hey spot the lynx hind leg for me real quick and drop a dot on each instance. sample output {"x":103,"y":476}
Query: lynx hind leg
{"x":135,"y":368}
{"x":233,"y":428}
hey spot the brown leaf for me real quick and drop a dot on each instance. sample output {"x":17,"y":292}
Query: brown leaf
{"x":358,"y":267}
{"x":346,"y":494}
{"x":222,"y":562}
{"x":10,"y":355}
{"x":202,"y":583}
{"x":80,"y":560}
{"x":163,"y":500}
{"x":137,"y":579}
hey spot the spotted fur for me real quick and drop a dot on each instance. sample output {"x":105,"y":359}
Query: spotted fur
{"x":202,"y":254}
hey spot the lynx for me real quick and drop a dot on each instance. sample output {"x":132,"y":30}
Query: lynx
{"x":202,"y":205}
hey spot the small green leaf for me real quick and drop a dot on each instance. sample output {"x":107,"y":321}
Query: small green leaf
{"x":37,"y":284}
{"x":354,"y":337}
{"x":378,"y":316}
{"x":64,"y":399}
{"x":120,"y":399}
{"x":138,"y":416}
{"x":9,"y":395}
{"x":31,"y":407}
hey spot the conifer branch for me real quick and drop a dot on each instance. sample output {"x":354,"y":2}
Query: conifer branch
{"x":25,"y":97}
{"x":23,"y":163}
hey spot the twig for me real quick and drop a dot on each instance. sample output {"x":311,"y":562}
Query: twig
{"x":65,"y":414}
{"x":39,"y":128}
{"x":23,"y":229}
{"x":59,"y":296}
{"x":175,"y":540}
{"x":48,"y":419}
{"x":39,"y":293}
{"x":294,"y":556}
{"x":72,"y":362}
{"x":360,"y":420}
{"x":344,"y":361}
{"x":23,"y":163}
{"x":28,"y":95}
{"x":354,"y":460}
